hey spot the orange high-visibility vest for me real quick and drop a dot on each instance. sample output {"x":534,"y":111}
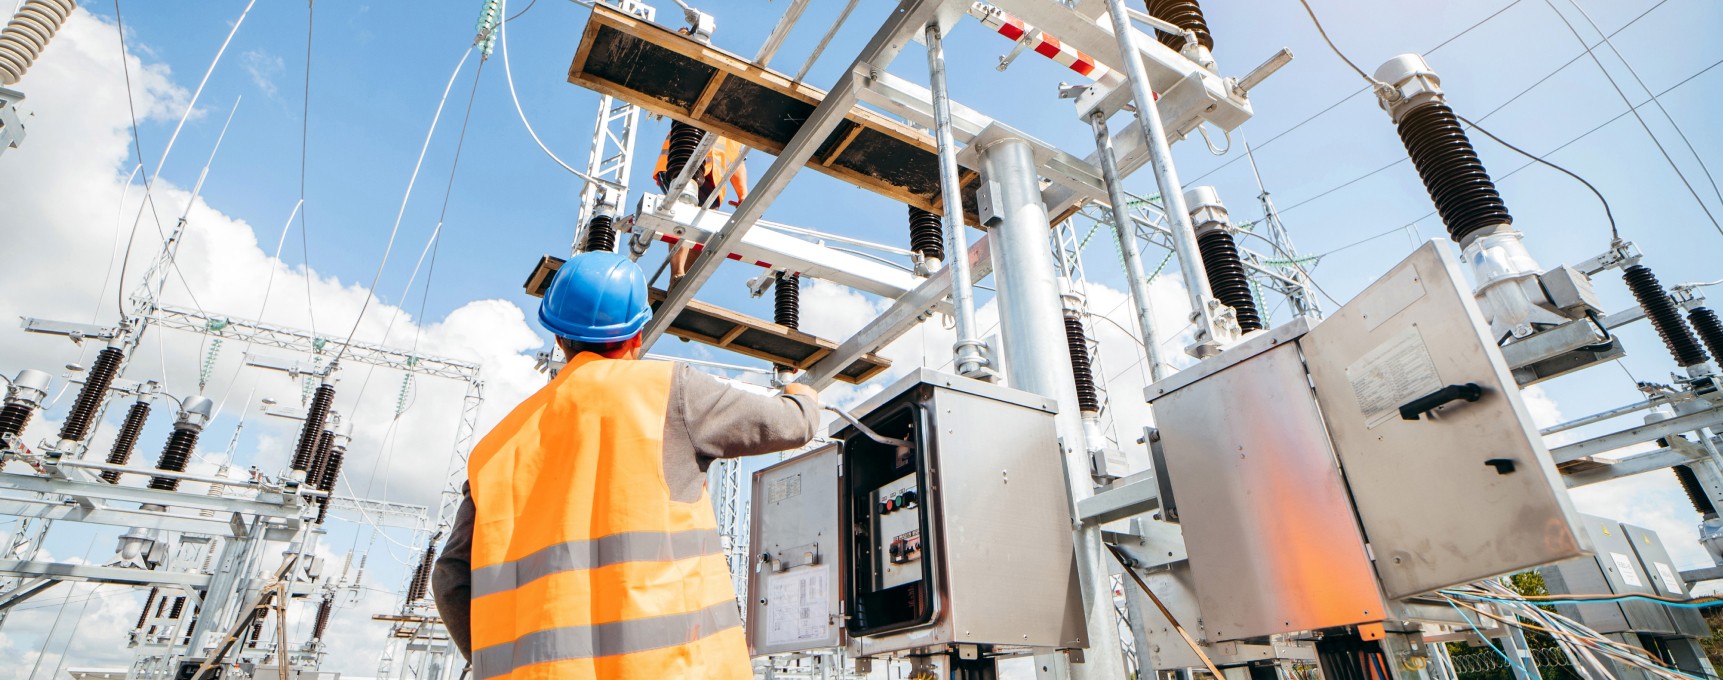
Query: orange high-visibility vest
{"x":718,"y":159}
{"x":583,"y":566}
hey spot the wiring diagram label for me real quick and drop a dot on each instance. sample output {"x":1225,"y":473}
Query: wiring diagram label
{"x":784,"y":489}
{"x":1394,"y":373}
{"x":1670,"y":582}
{"x":797,"y":606}
{"x":1624,"y":566}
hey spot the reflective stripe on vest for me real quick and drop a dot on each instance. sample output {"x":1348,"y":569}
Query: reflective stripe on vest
{"x":583,"y":565}
{"x":609,"y":639}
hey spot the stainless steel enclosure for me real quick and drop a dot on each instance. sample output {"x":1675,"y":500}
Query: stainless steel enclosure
{"x":1320,"y":473}
{"x":998,"y":537}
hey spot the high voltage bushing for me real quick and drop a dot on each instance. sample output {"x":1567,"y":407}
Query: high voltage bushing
{"x":1695,"y":492}
{"x":926,"y":236}
{"x":1185,"y":14}
{"x":684,"y":138}
{"x":256,"y":631}
{"x":324,"y":609}
{"x":1664,"y":316}
{"x":315,"y":417}
{"x":145,"y":614}
{"x":600,"y":234}
{"x":1710,"y":329}
{"x":1220,"y":259}
{"x":194,"y":413}
{"x":416,"y":590}
{"x":1082,"y":370}
{"x":22,"y":398}
{"x":1464,"y":194}
{"x":319,"y":458}
{"x":90,"y":396}
{"x":28,"y":32}
{"x":127,"y":439}
{"x":177,"y":608}
{"x":331,"y":473}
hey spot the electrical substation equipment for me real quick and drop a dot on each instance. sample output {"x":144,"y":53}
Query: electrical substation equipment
{"x":1329,"y":476}
{"x":936,"y":523}
{"x":21,"y":42}
{"x":1632,"y":560}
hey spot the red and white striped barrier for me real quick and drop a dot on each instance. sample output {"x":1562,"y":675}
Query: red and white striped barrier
{"x":1043,"y":44}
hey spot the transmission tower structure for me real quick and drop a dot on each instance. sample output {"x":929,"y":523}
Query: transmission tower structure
{"x":610,"y":159}
{"x":1294,"y":269}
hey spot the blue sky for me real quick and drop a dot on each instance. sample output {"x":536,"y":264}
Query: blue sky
{"x":378,"y":69}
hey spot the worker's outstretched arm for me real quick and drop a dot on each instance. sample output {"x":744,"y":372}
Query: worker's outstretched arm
{"x":452,"y":577}
{"x":708,"y":420}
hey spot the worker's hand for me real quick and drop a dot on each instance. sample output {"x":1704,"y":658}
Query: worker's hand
{"x":796,"y":389}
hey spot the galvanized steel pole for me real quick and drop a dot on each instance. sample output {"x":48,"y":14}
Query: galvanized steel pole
{"x":1126,"y":231}
{"x":971,"y":361}
{"x":1166,"y":177}
{"x":1037,"y":360}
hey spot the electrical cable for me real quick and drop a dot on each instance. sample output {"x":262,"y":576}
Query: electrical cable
{"x":1633,"y":109}
{"x":1613,"y":231}
{"x":371,"y":293}
{"x":304,"y":144}
{"x":1355,"y":93}
{"x":1380,"y":86}
{"x":508,"y":73}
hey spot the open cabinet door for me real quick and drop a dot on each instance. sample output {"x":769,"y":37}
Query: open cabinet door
{"x":793,"y":577}
{"x":1467,"y":490}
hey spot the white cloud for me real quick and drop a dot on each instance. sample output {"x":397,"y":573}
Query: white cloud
{"x":61,"y":191}
{"x":263,"y":68}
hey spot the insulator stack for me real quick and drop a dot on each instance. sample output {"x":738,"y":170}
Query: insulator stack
{"x":684,"y":138}
{"x":13,"y":418}
{"x":324,"y":609}
{"x":1664,"y":316}
{"x":28,"y":33}
{"x":787,"y":300}
{"x":422,"y":575}
{"x":1710,"y":330}
{"x":149,"y":601}
{"x":315,"y":417}
{"x":1464,"y":194}
{"x":331,"y":473}
{"x":319,"y":458}
{"x":256,"y":631}
{"x":177,"y":608}
{"x":926,"y":236}
{"x":194,"y":413}
{"x":1462,"y":190}
{"x":127,"y":439}
{"x":174,"y":457}
{"x":1184,"y":14}
{"x":600,"y":234}
{"x":1695,"y":492}
{"x":1088,"y":398}
{"x":1227,"y":277}
{"x":90,"y":396}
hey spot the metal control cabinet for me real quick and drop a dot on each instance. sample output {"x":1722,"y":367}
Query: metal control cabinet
{"x":963,"y":539}
{"x":1310,"y":501}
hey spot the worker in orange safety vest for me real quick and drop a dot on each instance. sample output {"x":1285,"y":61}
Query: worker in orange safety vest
{"x":705,"y":179}
{"x":585,"y":545}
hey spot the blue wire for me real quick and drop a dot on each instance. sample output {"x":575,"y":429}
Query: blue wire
{"x":1486,"y":639}
{"x":1696,"y":604}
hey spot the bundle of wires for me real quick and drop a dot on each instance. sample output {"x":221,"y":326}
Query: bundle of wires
{"x":1585,"y":647}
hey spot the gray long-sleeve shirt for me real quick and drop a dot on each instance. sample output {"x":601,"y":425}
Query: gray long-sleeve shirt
{"x":706,"y":420}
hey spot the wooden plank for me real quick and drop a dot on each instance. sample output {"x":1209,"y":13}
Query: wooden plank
{"x":705,"y":99}
{"x":908,"y":173}
{"x":855,"y":130}
{"x":742,"y":325}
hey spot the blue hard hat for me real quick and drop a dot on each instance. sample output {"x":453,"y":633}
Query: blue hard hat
{"x":596,"y":297}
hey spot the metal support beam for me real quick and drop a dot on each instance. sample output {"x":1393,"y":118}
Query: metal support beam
{"x":897,"y":319}
{"x":1637,"y":435}
{"x":1127,"y":499}
{"x":282,"y":337}
{"x":27,"y":590}
{"x":909,"y":17}
{"x":85,"y":572}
